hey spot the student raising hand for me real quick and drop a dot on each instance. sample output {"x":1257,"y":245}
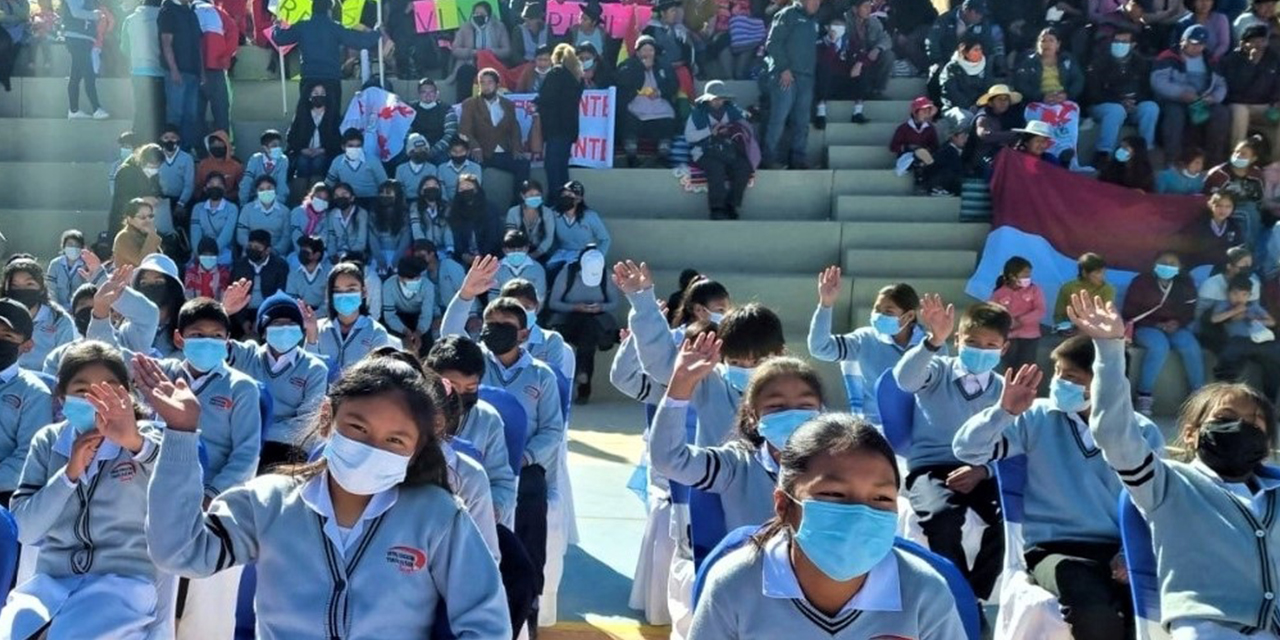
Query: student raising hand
{"x":696,"y":360}
{"x":237,"y":296}
{"x":309,"y":323}
{"x":174,"y":402}
{"x":83,"y":451}
{"x":116,"y":419}
{"x":1094,"y":317}
{"x":1020,"y":388}
{"x":829,"y":286}
{"x":479,"y":280}
{"x":110,"y":291}
{"x":938,"y":318}
{"x":91,"y":263}
{"x":632,"y":278}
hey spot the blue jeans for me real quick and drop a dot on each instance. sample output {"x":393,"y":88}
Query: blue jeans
{"x":791,"y":105}
{"x":182,"y":104}
{"x":555,"y":159}
{"x":1157,"y":343}
{"x":310,"y":167}
{"x":1111,"y":116}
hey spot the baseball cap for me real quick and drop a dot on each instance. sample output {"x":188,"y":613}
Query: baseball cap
{"x":16,"y":317}
{"x":592,"y":264}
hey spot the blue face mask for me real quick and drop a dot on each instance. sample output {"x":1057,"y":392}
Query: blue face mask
{"x":284,"y":338}
{"x":533,"y":202}
{"x":845,"y":540}
{"x":517,"y":258}
{"x":1122,"y":155}
{"x":205,"y":354}
{"x":884,"y":324}
{"x":208,"y":262}
{"x":736,"y":377}
{"x":277,"y":153}
{"x":81,"y":413}
{"x":347,"y":303}
{"x":530,"y":319}
{"x":1067,"y":395}
{"x":1240,"y":162}
{"x":776,"y":428}
{"x":1120,"y":49}
{"x":715,"y":317}
{"x":1167,"y":271}
{"x":977,"y":360}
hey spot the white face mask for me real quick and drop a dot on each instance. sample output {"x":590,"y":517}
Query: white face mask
{"x":837,"y":32}
{"x":72,"y":253}
{"x":362,"y":469}
{"x":354,"y":154}
{"x":150,"y":172}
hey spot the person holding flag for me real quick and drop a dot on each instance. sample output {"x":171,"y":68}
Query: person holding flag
{"x":321,"y":39}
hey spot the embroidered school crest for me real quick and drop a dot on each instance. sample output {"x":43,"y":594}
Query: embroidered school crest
{"x":407,"y":559}
{"x":126,"y":471}
{"x":300,"y":383}
{"x":222,"y":402}
{"x":13,"y":400}
{"x":533,"y":392}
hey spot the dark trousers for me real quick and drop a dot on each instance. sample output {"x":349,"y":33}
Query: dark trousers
{"x":910,"y":45}
{"x":1174,"y":123}
{"x":555,"y":159}
{"x":727,"y":177}
{"x":1239,"y":351}
{"x":215,"y":100}
{"x":332,"y":91}
{"x":1021,"y":351}
{"x":464,"y":80}
{"x":518,"y":578}
{"x":634,"y":129}
{"x":831,"y":82}
{"x":1079,"y":573}
{"x":416,"y":53}
{"x":508,"y":162}
{"x":8,"y":56}
{"x":942,"y":513}
{"x":531,"y":519}
{"x":148,"y":106}
{"x":81,"y":51}
{"x":588,"y":333}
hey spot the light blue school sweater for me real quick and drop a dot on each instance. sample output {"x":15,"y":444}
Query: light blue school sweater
{"x":177,"y":178}
{"x":715,"y":400}
{"x":230,"y":423}
{"x":585,"y":229}
{"x":629,"y":377}
{"x":364,"y":176}
{"x":274,"y":219}
{"x":386,"y":248}
{"x":449,"y":172}
{"x":1215,"y":551}
{"x":432,"y":224}
{"x":874,"y":354}
{"x":531,"y":270}
{"x":531,"y":382}
{"x":411,"y":177}
{"x":482,"y":426}
{"x":310,"y":287}
{"x":546,"y":345}
{"x":1070,"y":492}
{"x":347,"y":232}
{"x":26,"y":404}
{"x":340,"y":351}
{"x":298,"y":223}
{"x":448,"y":280}
{"x":94,"y":526}
{"x":52,"y":327}
{"x":137,"y":332}
{"x":296,"y":391}
{"x":421,"y":300}
{"x":422,"y":550}
{"x":63,"y":278}
{"x":255,"y":168}
{"x":733,"y":606}
{"x":219,"y":223}
{"x":941,"y":403}
{"x":735,"y":471}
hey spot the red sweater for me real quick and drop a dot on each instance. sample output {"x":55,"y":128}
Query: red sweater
{"x":907,"y":138}
{"x":209,"y":284}
{"x":220,"y":48}
{"x":1144,"y":294}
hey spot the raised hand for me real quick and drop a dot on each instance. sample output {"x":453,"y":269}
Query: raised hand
{"x":480,"y":278}
{"x":91,"y":261}
{"x":83,"y":450}
{"x":309,"y":324}
{"x":177,"y":405}
{"x":1094,"y":317}
{"x":237,"y":296}
{"x":1020,"y":388}
{"x":829,"y":286}
{"x":111,"y":290}
{"x":116,"y":419}
{"x":696,"y":360}
{"x":632,"y":278}
{"x":938,"y":318}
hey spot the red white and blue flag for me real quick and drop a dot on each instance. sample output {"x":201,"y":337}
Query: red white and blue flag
{"x":385,"y":120}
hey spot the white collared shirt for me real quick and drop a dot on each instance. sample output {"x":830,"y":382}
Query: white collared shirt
{"x":505,"y":371}
{"x":283,"y":362}
{"x":973,"y":383}
{"x":882,"y":590}
{"x":198,"y":381}
{"x":315,"y":494}
{"x":7,"y":375}
{"x":495,"y":114}
{"x":1082,"y":428}
{"x":1256,"y":500}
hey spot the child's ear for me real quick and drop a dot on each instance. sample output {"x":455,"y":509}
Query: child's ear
{"x":781,"y":504}
{"x":523,"y":335}
{"x":26,"y":346}
{"x":178,"y":340}
{"x":1005,"y":348}
{"x":326,"y":417}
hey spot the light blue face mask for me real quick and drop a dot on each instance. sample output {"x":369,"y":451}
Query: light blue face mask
{"x":1240,"y":162}
{"x":346,"y":304}
{"x":208,"y":262}
{"x":845,"y":540}
{"x":978,"y":361}
{"x":1167,"y":271}
{"x":284,"y":338}
{"x":1122,"y":155}
{"x":1120,"y":49}
{"x":517,"y":258}
{"x":205,"y":354}
{"x":736,"y":377}
{"x":715,"y":317}
{"x":533,"y":202}
{"x":81,"y":413}
{"x":277,"y":153}
{"x":1067,"y":395}
{"x":776,"y":428}
{"x":530,"y":319}
{"x":885,"y":324}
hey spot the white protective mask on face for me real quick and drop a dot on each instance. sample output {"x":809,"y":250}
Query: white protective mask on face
{"x":363,"y":469}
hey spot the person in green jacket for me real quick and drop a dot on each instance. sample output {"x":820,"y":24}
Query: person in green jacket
{"x":791,"y":59}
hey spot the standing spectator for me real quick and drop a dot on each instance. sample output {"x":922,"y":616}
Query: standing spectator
{"x":1091,"y":277}
{"x":1049,"y":74}
{"x":480,"y":33}
{"x":671,"y":38}
{"x":1119,"y":86}
{"x":320,"y":41}
{"x":435,"y":121}
{"x":140,"y":35}
{"x":1185,"y":176}
{"x":534,"y":220}
{"x":969,"y":20}
{"x":964,"y":81}
{"x":1024,"y":300}
{"x":1130,"y":166}
{"x":1217,"y":27}
{"x":1191,"y":93}
{"x":180,"y":39}
{"x":791,"y":61}
{"x":530,"y":35}
{"x":590,"y":30}
{"x":221,"y":159}
{"x":1161,"y":305}
{"x":558,"y":106}
{"x":908,"y":24}
{"x":313,"y":138}
{"x":80,"y":32}
{"x":648,"y":88}
{"x":1252,"y":72}
{"x":417,"y":168}
{"x":219,"y":49}
{"x":582,"y":301}
{"x":489,"y":123}
{"x":709,"y":129}
{"x":14,"y":15}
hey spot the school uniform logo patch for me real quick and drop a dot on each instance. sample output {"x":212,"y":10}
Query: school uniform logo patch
{"x":407,"y":559}
{"x":367,"y":342}
{"x":13,"y":400}
{"x":49,"y":328}
{"x":125,"y":471}
{"x":533,"y":392}
{"x":222,"y":402}
{"x":300,"y":383}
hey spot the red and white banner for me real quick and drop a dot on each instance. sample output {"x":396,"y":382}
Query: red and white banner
{"x":596,"y":122}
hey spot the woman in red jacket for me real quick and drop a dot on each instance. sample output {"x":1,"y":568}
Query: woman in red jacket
{"x":1161,"y":305}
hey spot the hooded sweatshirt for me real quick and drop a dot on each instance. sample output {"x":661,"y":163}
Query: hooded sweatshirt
{"x":229,"y":167}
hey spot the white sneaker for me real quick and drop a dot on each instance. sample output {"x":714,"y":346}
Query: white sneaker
{"x":78,"y":115}
{"x":101,"y":115}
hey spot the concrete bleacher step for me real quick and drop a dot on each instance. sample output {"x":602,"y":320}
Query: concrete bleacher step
{"x":868,"y":134}
{"x":859,"y":157}
{"x":657,"y":194}
{"x":38,"y":231}
{"x":895,"y":111}
{"x":44,"y":185}
{"x":869,"y":182}
{"x":896,"y":208}
{"x":724,"y":245}
{"x":909,"y":263}
{"x":951,"y":289}
{"x":915,"y":236}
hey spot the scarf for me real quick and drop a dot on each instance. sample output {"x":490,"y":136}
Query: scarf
{"x":313,"y":219}
{"x":970,"y":68}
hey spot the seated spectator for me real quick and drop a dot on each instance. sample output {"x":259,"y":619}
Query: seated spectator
{"x":311,"y":218}
{"x":362,"y":173}
{"x":1130,"y":166}
{"x":266,"y":212}
{"x":1239,"y":260}
{"x":458,"y":164}
{"x":306,"y":281}
{"x":517,"y":263}
{"x":577,"y":226}
{"x":595,"y":75}
{"x":267,"y":272}
{"x":1035,"y":139}
{"x":1252,"y":72}
{"x":1049,"y":74}
{"x":993,"y":128}
{"x":746,"y":36}
{"x":70,"y":269}
{"x":409,"y":303}
{"x":476,"y":226}
{"x":945,"y":176}
{"x":138,"y":237}
{"x":856,"y":65}
{"x":480,"y":33}
{"x":909,"y":24}
{"x":916,"y":140}
{"x":348,"y":223}
{"x":965,"y":80}
{"x":712,"y":123}
{"x":1161,"y":305}
{"x":216,"y":218}
{"x":1219,"y":230}
{"x":1261,"y":13}
{"x":1185,"y":176}
{"x":1119,"y":85}
{"x":177,"y":183}
{"x":1242,"y":178}
{"x":221,"y":159}
{"x":388,"y":231}
{"x":1191,"y":92}
{"x":534,"y":218}
{"x":533,"y":74}
{"x":590,"y":30}
{"x":648,"y":89}
{"x":673,"y":42}
{"x":530,"y":35}
{"x":582,"y":302}
{"x":1130,"y":17}
{"x":205,"y":278}
{"x":965,"y":22}
{"x":411,"y":173}
{"x":1091,"y":276}
{"x":1217,"y":25}
{"x":488,"y":122}
{"x":435,"y":121}
{"x":1247,"y":334}
{"x":429,"y":218}
{"x":444,"y":272}
{"x":23,"y":281}
{"x":313,"y":138}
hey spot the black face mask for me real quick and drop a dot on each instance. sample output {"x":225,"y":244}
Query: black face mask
{"x":215,"y":193}
{"x":467,"y":401}
{"x":8,"y":354}
{"x":386,"y":202}
{"x":157,"y":292}
{"x":169,"y":145}
{"x":342,"y":203}
{"x":500,"y":338}
{"x":480,"y":20}
{"x":565,"y":203}
{"x":319,"y":101}
{"x":256,"y":255}
{"x":218,"y":152}
{"x":466,"y":197}
{"x":27,"y":297}
{"x":1232,"y":448}
{"x":82,"y":318}
{"x":431,"y":194}
{"x":458,"y":161}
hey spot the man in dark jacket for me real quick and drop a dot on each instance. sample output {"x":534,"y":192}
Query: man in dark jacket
{"x":647,"y":89}
{"x":1191,"y":93}
{"x":434,"y":120}
{"x":320,"y":41}
{"x":908,"y":24}
{"x":1252,"y":72}
{"x":1119,"y":87}
{"x":969,"y":18}
{"x":791,"y":60}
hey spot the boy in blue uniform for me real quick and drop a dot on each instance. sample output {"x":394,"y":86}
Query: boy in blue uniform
{"x":26,"y":403}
